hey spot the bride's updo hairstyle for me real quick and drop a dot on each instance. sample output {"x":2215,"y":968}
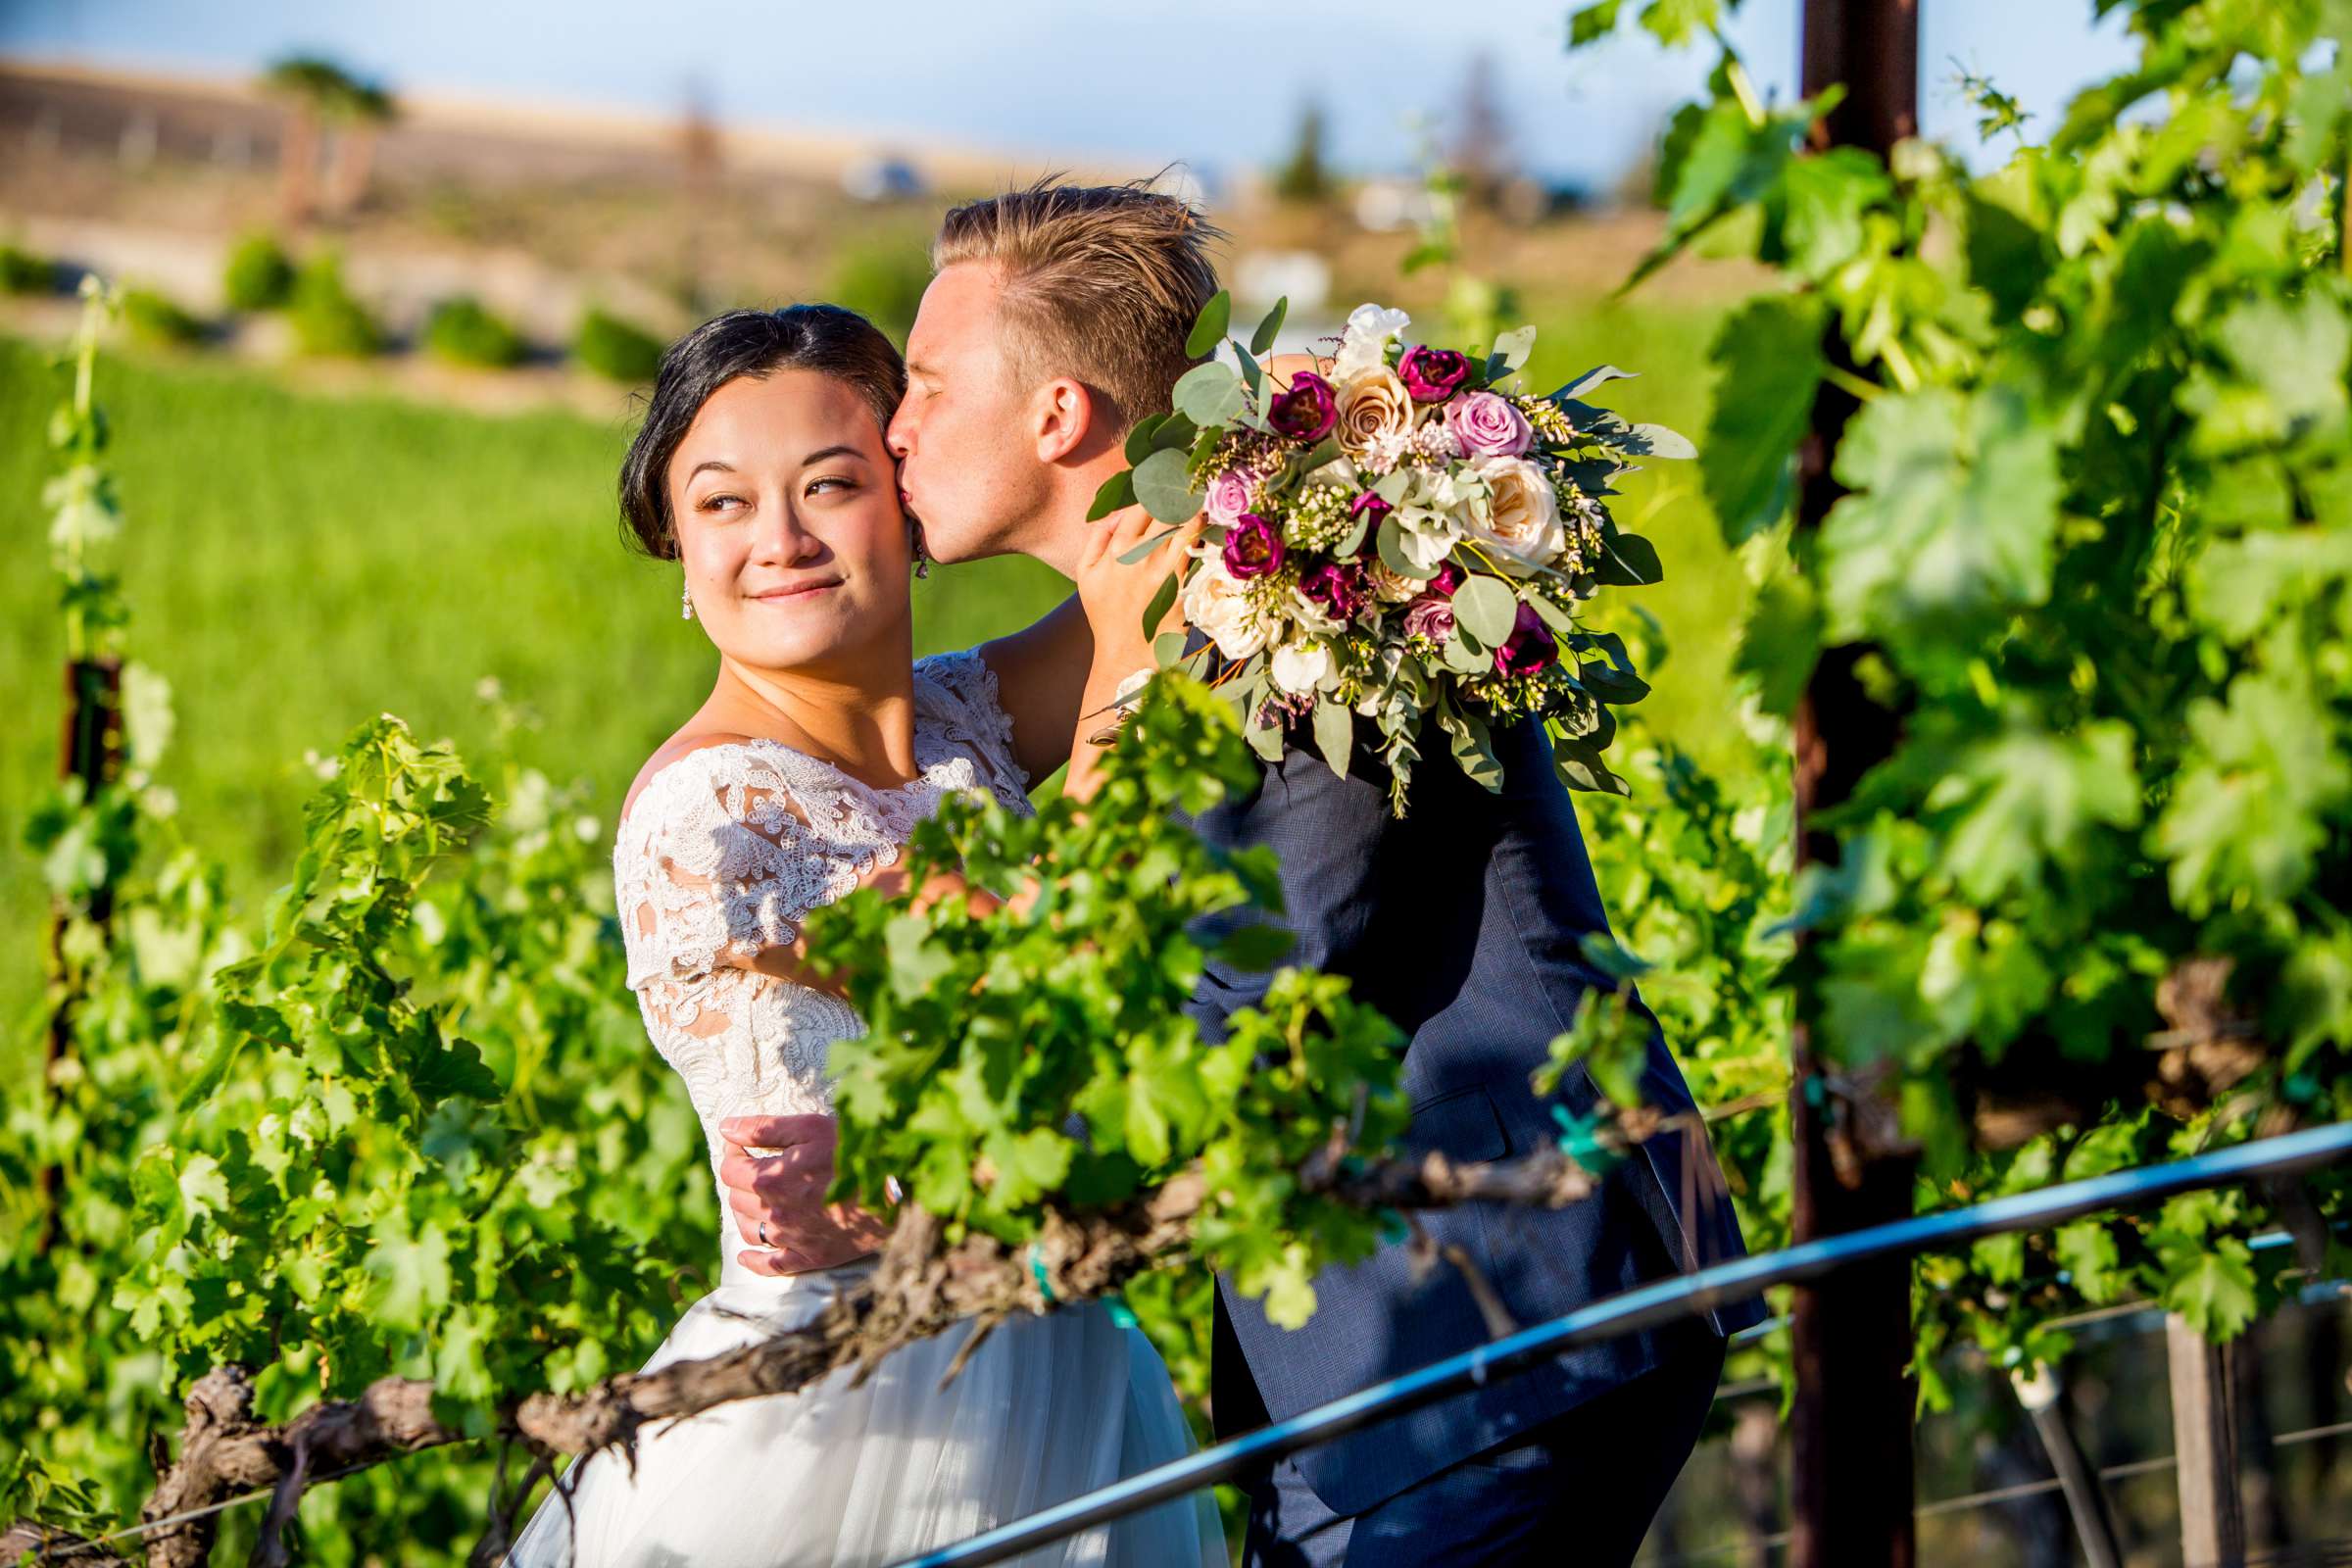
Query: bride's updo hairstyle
{"x":825,"y":338}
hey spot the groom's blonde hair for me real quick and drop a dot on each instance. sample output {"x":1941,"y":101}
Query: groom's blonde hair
{"x":1101,"y":283}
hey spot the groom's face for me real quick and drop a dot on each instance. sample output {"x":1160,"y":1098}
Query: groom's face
{"x":968,"y":467}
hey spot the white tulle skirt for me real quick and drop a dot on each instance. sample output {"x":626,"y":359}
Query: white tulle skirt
{"x":836,"y":1476}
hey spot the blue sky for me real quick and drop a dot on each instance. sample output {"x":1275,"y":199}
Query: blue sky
{"x":1215,"y":82}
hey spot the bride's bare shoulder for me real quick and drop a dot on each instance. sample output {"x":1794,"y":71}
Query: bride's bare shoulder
{"x":677,"y":748}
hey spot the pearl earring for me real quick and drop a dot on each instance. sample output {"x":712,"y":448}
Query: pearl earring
{"x":685,"y":602}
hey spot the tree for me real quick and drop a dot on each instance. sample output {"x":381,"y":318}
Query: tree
{"x":1304,"y":178}
{"x":361,"y":111}
{"x":319,"y":94}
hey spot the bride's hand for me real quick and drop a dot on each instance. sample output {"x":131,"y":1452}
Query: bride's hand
{"x":779,"y":1199}
{"x":1115,"y":595}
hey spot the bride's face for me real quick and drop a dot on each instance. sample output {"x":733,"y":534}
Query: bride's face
{"x":796,"y":551}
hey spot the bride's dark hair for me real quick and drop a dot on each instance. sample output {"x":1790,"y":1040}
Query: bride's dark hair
{"x":825,"y":338}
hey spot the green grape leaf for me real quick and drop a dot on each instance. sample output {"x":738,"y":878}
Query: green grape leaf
{"x":1770,"y":351}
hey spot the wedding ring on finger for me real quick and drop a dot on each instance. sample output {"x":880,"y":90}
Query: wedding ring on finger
{"x":763,"y":1242}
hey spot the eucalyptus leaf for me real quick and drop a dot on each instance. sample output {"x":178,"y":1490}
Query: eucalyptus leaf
{"x":1630,"y":560}
{"x":1486,"y":608}
{"x":1555,"y":616}
{"x":1264,"y":739}
{"x":1466,"y":654}
{"x":1168,"y":648}
{"x":1611,"y":684}
{"x":1208,"y":329}
{"x":1474,"y":750}
{"x":1580,"y":767}
{"x":1165,"y":489}
{"x":1211,"y":394}
{"x":1163,"y":599}
{"x":1139,"y":439}
{"x":1509,"y":353}
{"x":1175,"y":434}
{"x":1137,"y":552}
{"x":1591,"y":379}
{"x":1657,"y":441}
{"x":1261,"y":341}
{"x":1116,"y":491}
{"x":1335,"y":734}
{"x":1391,"y":551}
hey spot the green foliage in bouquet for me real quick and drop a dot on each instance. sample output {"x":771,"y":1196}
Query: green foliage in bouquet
{"x":1017,"y":1063}
{"x":1404,"y":535}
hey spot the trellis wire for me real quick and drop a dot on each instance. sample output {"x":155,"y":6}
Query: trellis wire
{"x":1638,"y":1310}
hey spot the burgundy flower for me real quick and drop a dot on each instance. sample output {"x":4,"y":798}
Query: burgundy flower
{"x":1307,"y":411}
{"x":1371,"y":509}
{"x":1253,"y":547}
{"x":1529,"y":648}
{"x":1432,"y":375}
{"x":1429,"y":617}
{"x":1447,"y":579}
{"x":1341,"y":590}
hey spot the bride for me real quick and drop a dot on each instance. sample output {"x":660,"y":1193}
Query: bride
{"x":761,"y":467}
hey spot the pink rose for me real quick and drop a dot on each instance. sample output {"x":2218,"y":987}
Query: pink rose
{"x":1228,"y":497}
{"x":1489,"y":426}
{"x":1431,"y":617}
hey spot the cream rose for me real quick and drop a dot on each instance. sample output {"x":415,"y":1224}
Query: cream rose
{"x":1389,"y":587}
{"x":1372,"y":406}
{"x":1217,"y":603}
{"x":1521,"y":517}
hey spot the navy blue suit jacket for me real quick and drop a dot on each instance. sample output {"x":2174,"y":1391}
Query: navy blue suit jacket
{"x":1462,"y":922}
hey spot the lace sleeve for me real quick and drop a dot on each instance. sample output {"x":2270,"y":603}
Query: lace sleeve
{"x":960,"y":691}
{"x":725,"y":852}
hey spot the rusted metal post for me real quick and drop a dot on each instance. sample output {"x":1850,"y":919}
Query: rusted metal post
{"x":1853,"y":1482}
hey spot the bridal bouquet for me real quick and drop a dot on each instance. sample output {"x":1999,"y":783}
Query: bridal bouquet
{"x":1402,"y":534}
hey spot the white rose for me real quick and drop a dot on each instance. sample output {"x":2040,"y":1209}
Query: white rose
{"x":1215,"y":602}
{"x":1365,"y":345}
{"x":1300,"y":667}
{"x":1521,"y":517}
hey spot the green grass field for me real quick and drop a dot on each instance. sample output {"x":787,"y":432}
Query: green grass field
{"x":296,"y":564}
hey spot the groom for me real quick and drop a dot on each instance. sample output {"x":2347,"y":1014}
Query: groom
{"x":1059,"y":318}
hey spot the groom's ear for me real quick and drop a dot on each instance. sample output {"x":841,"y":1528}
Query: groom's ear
{"x":1064,"y":414}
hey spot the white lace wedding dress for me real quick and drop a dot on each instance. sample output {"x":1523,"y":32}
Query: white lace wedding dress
{"x":723,"y":852}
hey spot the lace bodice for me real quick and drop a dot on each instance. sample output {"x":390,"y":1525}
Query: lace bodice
{"x":729,"y":845}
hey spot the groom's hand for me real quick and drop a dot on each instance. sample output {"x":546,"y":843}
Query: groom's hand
{"x":785,"y":1192}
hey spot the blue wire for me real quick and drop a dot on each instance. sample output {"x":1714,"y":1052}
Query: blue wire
{"x":1687,"y":1293}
